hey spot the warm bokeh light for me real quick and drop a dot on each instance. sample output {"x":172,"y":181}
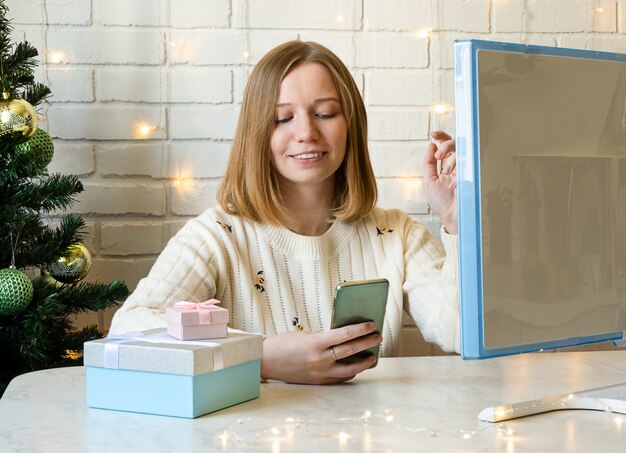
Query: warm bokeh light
{"x":182,"y":183}
{"x":143,"y":130}
{"x":224,"y":437}
{"x":340,"y":19}
{"x":56,"y":57}
{"x":423,"y":32}
{"x":510,"y":446}
{"x":246,"y":54}
{"x":600,"y":10}
{"x":343,"y":440}
{"x":442,"y":108}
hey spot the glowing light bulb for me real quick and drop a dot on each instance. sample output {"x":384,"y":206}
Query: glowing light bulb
{"x":367,"y":414}
{"x":275,"y":430}
{"x":56,"y":57}
{"x":143,"y":129}
{"x":442,"y":108}
{"x":467,"y":436}
{"x":290,"y":420}
{"x":343,"y":436}
{"x":570,"y":396}
{"x":423,"y":32}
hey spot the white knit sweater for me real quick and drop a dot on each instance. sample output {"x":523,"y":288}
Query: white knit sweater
{"x":273,"y":280}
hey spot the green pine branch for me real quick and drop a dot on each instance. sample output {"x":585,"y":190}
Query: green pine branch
{"x":5,"y":30}
{"x":52,"y":243}
{"x":83,"y":297}
{"x":35,"y":94}
{"x":46,"y":194}
{"x":32,"y":243}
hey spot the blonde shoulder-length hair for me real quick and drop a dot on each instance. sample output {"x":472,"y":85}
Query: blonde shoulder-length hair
{"x":250,"y":188}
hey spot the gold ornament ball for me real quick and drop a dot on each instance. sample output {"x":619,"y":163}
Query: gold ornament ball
{"x":18,"y":120}
{"x":73,"y":267}
{"x":45,"y":279}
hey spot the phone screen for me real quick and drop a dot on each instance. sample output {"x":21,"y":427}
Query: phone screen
{"x":360,"y":301}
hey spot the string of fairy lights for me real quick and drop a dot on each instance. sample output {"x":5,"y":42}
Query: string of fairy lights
{"x":254,"y":431}
{"x":250,"y":431}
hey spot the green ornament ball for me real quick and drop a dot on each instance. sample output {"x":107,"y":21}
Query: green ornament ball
{"x":39,"y":148}
{"x":16,"y":291}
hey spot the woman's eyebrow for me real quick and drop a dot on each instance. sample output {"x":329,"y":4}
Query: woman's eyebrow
{"x":317,"y":101}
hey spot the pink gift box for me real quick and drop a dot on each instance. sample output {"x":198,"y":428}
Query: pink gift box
{"x":197,"y":321}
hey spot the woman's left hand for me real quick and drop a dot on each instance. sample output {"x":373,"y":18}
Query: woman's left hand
{"x":440,"y":186}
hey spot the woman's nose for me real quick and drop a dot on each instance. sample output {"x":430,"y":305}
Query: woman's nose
{"x":306,"y":129}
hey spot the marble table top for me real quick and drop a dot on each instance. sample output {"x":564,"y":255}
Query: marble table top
{"x":405,"y":404}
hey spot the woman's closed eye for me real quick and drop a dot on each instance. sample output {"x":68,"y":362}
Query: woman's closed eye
{"x":284,"y":119}
{"x":323,"y":116}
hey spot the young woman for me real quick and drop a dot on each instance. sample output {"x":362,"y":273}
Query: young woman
{"x":297,"y":217}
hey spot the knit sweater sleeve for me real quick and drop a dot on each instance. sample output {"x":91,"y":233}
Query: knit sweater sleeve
{"x":185,"y":270}
{"x":431,"y":285}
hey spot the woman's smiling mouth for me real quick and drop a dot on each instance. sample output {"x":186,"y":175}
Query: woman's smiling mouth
{"x":308,"y":155}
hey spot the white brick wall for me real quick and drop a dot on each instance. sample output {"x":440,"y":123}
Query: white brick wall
{"x":179,"y":67}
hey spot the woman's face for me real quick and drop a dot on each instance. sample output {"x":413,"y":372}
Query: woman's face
{"x":309,"y":141}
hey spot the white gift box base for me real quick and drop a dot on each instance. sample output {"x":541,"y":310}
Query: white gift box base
{"x":172,"y":394}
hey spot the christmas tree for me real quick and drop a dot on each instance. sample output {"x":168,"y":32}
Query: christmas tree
{"x":42,"y":261}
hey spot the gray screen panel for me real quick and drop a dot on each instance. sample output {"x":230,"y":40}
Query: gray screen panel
{"x":553,"y":196}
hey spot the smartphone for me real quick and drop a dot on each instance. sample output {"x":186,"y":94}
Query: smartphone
{"x":360,"y":301}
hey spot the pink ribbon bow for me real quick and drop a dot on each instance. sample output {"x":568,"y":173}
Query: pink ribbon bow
{"x":204,"y":313}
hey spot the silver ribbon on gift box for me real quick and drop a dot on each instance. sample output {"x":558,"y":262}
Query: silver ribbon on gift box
{"x":113,"y":342}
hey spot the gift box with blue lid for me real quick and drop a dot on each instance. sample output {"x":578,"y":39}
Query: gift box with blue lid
{"x":153,"y":373}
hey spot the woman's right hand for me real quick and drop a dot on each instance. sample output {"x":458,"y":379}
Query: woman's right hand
{"x":302,"y":357}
